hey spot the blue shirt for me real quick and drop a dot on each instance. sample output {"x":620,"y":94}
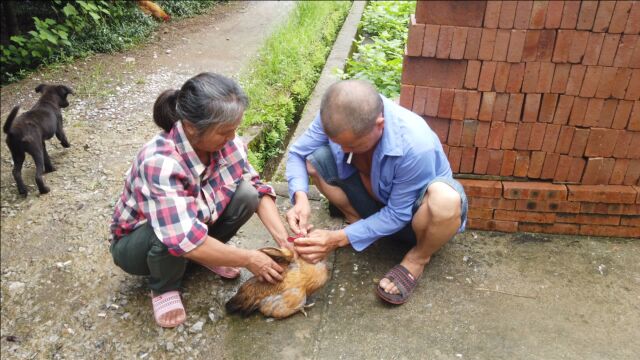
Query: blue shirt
{"x":408,"y":156}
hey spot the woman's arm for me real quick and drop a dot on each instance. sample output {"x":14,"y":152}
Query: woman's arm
{"x":270,"y":217}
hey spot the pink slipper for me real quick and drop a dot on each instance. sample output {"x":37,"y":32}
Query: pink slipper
{"x":225,"y":272}
{"x":164,"y":303}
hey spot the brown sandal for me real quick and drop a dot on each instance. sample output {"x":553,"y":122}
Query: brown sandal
{"x":403,"y":280}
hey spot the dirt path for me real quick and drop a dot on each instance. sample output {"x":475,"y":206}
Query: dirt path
{"x":61,"y":295}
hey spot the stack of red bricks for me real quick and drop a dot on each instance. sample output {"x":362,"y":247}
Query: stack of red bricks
{"x":542,"y":91}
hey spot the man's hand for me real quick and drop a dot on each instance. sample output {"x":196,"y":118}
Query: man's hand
{"x":264,"y":267}
{"x":298,"y":215}
{"x":319,"y":244}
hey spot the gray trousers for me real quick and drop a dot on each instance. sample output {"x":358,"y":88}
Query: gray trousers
{"x":142,"y":253}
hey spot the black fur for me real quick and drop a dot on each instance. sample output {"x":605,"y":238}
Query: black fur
{"x":27,"y":133}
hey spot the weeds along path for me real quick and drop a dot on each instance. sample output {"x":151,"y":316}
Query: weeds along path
{"x":61,"y":294}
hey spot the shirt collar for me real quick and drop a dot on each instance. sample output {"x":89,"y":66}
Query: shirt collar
{"x":185,"y":149}
{"x":391,"y":141}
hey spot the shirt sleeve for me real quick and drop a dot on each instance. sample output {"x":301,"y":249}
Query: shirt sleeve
{"x":296,"y":169}
{"x":409,"y":174}
{"x":171,"y":211}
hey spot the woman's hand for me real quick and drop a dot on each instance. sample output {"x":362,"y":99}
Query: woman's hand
{"x":319,"y":244}
{"x":264,"y":267}
{"x":298,"y":215}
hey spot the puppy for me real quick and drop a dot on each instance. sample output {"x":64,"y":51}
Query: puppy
{"x":27,"y":133}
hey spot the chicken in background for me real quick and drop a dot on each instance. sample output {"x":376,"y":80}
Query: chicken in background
{"x":300,"y":280}
{"x":149,"y":7}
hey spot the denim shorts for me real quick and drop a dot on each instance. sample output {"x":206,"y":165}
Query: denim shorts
{"x":324,"y":162}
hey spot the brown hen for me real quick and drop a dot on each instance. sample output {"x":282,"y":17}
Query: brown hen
{"x":300,"y":279}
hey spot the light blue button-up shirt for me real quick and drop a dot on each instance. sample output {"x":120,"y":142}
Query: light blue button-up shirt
{"x":408,"y":156}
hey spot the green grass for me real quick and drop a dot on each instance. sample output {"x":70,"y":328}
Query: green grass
{"x":285,"y":72}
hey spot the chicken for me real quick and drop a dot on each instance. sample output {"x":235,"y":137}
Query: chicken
{"x":300,"y":279}
{"x":149,"y":7}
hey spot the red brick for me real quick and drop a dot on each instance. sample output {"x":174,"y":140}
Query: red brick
{"x":607,"y":113}
{"x":562,"y":171}
{"x":473,"y":105}
{"x":523,"y":14}
{"x":535,"y":166}
{"x":432,"y":101}
{"x":475,"y":213}
{"x":514,"y":109}
{"x":620,"y":16}
{"x":530,"y":82}
{"x":445,"y":40}
{"x":576,"y":169}
{"x":579,"y":142}
{"x":443,"y":74}
{"x":482,"y":188}
{"x":473,"y":43}
{"x":578,"y":46}
{"x":548,"y":107}
{"x":523,"y":136}
{"x":550,"y":138}
{"x":598,"y":171}
{"x":610,"y":194}
{"x":602,"y":208}
{"x":486,"y":107}
{"x":495,"y":162}
{"x":537,"y":136}
{"x":631,"y":220}
{"x":545,"y":77}
{"x":516,"y":75}
{"x":446,"y":103}
{"x":495,"y":135}
{"x":469,"y":128}
{"x":595,"y":219}
{"x":419,"y":99}
{"x":609,"y":47}
{"x":565,"y":139}
{"x":554,"y":15}
{"x":406,"y":96}
{"x":635,"y":58}
{"x":501,"y":76}
{"x":455,"y":133}
{"x":590,"y":82}
{"x":468,"y":159}
{"x":487,"y":44}
{"x":507,"y":14}
{"x":458,"y":43}
{"x":516,"y":45}
{"x":501,"y":45}
{"x":564,"y":229}
{"x":531,"y":107}
{"x":578,"y":111}
{"x":493,"y":225}
{"x":633,"y":173}
{"x":623,"y":76}
{"x":546,"y":44}
{"x":487,"y":73}
{"x":603,"y":16}
{"x":633,"y":22}
{"x":576,"y":74}
{"x":415,"y":37}
{"x":533,"y":190}
{"x":500,"y":107}
{"x":455,"y":13}
{"x":482,"y":134}
{"x":550,"y":166}
{"x":570,"y":14}
{"x":609,"y":231}
{"x":587,"y":15}
{"x":560,"y":78}
{"x":605,"y":85}
{"x":459,"y":105}
{"x":530,"y":49}
{"x":538,"y":13}
{"x":439,"y":126}
{"x":619,"y":171}
{"x":625,"y":50}
{"x":491,"y":203}
{"x":527,"y":216}
{"x":547,"y":206}
{"x":634,"y":146}
{"x":592,"y":115}
{"x":562,"y":46}
{"x":594,"y":46}
{"x":634,"y":119}
{"x":482,"y":161}
{"x":509,"y":136}
{"x":522,"y":164}
{"x":430,"y":43}
{"x":601,"y":142}
{"x":492,"y":14}
{"x":622,"y":146}
{"x":633,"y":91}
{"x":455,"y":154}
{"x":508,"y":163}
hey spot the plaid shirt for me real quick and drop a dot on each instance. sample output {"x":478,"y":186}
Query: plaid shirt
{"x":169,"y":187}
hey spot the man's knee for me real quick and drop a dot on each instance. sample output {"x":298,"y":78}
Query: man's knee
{"x":311,"y":170}
{"x":443,"y":202}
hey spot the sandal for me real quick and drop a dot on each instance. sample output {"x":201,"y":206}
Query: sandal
{"x":403,"y":280}
{"x":225,"y":272}
{"x":164,"y":303}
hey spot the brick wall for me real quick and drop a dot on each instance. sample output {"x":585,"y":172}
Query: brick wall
{"x":538,"y":102}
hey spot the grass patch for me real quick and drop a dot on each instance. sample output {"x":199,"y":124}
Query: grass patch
{"x":284,"y":74}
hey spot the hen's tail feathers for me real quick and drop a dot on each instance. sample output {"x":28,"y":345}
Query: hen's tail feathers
{"x":281,"y":256}
{"x":12,"y":115}
{"x":241,"y":303}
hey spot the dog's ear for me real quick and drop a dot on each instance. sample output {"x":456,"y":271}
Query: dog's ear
{"x":65,"y":90}
{"x":40,"y":87}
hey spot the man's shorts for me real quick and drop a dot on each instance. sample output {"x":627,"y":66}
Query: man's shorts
{"x":324,"y":162}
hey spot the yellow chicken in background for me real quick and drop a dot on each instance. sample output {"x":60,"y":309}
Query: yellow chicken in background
{"x":300,"y":279}
{"x":149,"y":7}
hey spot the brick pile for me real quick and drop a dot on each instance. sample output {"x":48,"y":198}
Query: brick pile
{"x":542,"y":91}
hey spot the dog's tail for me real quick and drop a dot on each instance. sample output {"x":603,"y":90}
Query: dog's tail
{"x":12,"y":115}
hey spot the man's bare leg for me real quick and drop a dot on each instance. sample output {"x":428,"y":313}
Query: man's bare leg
{"x":334,"y":194}
{"x":435,"y":223}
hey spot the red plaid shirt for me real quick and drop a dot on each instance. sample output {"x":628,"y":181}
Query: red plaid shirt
{"x":169,"y":187}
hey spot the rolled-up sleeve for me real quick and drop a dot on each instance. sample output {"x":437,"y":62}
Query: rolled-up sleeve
{"x":171,"y":211}
{"x":263,"y":189}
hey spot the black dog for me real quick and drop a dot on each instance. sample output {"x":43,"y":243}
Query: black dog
{"x":29,"y":131}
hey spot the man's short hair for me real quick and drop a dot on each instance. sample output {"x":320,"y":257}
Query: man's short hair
{"x":350,"y":105}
